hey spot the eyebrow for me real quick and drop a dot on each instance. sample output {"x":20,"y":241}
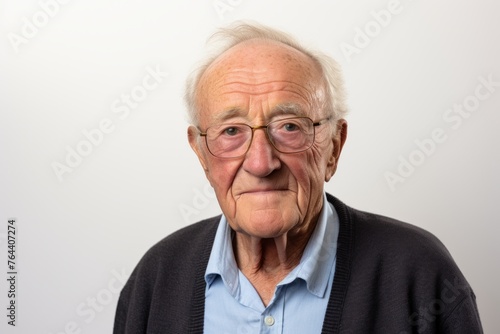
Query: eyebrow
{"x":228,"y":114}
{"x":289,"y":108}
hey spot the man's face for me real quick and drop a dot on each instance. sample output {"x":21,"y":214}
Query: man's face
{"x":265,"y":193}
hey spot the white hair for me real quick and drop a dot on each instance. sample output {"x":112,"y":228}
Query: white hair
{"x":238,"y":32}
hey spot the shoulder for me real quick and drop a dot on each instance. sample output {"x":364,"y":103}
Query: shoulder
{"x":398,"y":268}
{"x":172,"y":270}
{"x":378,"y":236}
{"x":388,"y":234}
{"x":182,"y":246}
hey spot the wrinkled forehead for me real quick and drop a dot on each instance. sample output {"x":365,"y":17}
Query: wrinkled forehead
{"x":257,"y":67}
{"x":260,"y":55}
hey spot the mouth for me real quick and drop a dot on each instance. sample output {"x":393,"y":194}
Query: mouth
{"x":262,"y":191}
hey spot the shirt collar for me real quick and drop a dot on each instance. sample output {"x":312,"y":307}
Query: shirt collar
{"x":314,"y":267}
{"x":222,"y":261}
{"x":319,"y":255}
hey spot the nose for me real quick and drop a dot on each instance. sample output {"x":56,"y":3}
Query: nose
{"x":260,"y":159}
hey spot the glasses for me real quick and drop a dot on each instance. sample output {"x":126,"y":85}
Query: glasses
{"x":289,"y":135}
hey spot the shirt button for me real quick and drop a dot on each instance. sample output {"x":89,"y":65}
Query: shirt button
{"x":269,"y":320}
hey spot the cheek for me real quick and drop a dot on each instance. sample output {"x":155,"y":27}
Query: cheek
{"x":221,"y":175}
{"x":313,"y":166}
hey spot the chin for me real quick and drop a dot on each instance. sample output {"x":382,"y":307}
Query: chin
{"x":266,"y":234}
{"x":268,"y":226}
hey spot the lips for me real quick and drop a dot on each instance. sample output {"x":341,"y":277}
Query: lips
{"x":261,"y":191}
{"x":253,"y":188}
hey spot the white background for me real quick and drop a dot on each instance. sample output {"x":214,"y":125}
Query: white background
{"x":142,"y":181}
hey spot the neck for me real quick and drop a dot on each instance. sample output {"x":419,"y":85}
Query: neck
{"x":266,"y":262}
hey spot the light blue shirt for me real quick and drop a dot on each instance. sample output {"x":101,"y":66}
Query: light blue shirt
{"x":233,"y":306}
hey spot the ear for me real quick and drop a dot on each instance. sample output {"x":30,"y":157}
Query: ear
{"x":194,"y":140}
{"x":338,"y":141}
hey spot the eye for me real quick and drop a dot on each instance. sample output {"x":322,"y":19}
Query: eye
{"x":290,"y":127}
{"x":230,"y":131}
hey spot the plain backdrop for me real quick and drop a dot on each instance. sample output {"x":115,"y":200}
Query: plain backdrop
{"x":68,"y":68}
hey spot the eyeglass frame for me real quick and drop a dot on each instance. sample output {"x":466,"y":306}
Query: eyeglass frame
{"x":253,"y":128}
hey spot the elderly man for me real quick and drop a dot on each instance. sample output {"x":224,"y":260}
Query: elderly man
{"x":285,"y":257}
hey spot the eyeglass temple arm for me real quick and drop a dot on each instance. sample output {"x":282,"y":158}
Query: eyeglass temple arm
{"x":323,"y":121}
